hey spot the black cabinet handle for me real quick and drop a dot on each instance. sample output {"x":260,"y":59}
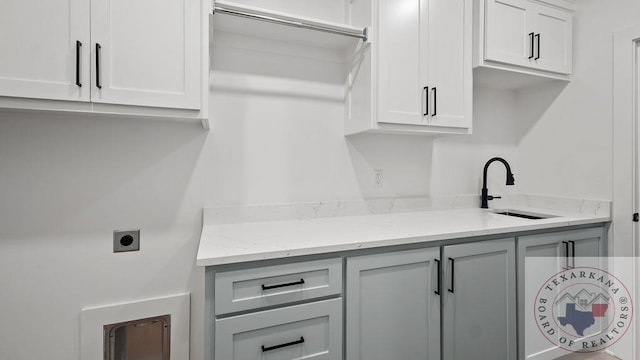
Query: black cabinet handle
{"x":453,"y":263}
{"x":98,"y":47}
{"x":566,"y":254}
{"x":437,"y":292}
{"x":267,"y":287}
{"x":532,"y":53}
{"x":538,"y":40}
{"x":78,"y":46}
{"x":573,"y":253}
{"x":269,"y":348}
{"x":426,"y":100}
{"x":435,"y":102}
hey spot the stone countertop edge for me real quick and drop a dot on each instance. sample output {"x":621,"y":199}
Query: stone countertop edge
{"x":222,"y":244}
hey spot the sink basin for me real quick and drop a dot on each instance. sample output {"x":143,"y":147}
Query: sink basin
{"x":523,"y":214}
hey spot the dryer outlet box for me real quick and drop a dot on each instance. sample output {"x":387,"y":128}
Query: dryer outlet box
{"x":126,"y":240}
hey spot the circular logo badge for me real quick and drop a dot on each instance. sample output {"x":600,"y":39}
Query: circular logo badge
{"x":583,"y":309}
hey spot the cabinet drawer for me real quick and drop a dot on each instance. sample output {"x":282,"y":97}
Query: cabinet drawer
{"x":309,"y":331}
{"x":274,"y":285}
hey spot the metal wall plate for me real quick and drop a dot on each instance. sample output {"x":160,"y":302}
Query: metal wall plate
{"x":126,"y":240}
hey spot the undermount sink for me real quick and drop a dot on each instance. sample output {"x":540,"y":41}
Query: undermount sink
{"x":523,"y":214}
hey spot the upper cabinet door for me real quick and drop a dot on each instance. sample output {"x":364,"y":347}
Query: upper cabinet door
{"x":146,"y":52}
{"x":40,"y":56}
{"x":507,"y":29}
{"x":450,"y":63}
{"x":402,"y":66}
{"x":553,"y":40}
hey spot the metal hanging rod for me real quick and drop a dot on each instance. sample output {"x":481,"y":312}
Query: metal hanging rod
{"x":360,"y":34}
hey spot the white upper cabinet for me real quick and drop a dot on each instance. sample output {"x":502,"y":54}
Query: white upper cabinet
{"x":414,"y":76}
{"x":145,"y":57}
{"x":506,"y":28}
{"x":146,"y":52}
{"x":524,"y":36}
{"x":43,"y":44}
{"x":554,"y":39}
{"x":450,"y":74}
{"x":403,"y":62}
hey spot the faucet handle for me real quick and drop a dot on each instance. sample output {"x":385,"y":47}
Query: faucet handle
{"x":491,"y":197}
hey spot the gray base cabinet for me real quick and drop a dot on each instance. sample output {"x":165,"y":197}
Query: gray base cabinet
{"x":479,"y":301}
{"x":439,"y":302}
{"x":560,"y":251}
{"x":393,"y":309}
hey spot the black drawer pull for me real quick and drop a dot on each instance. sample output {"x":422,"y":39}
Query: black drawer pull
{"x":538,"y":41}
{"x":275,"y":347}
{"x":267,"y":287}
{"x":437,"y":292}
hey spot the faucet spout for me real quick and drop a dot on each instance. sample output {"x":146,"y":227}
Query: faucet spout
{"x":485,"y":192}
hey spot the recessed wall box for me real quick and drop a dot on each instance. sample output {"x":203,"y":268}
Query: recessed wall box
{"x":138,"y":339}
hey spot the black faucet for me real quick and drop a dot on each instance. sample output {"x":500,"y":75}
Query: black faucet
{"x":485,"y":192}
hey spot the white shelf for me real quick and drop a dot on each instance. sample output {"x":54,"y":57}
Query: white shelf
{"x":269,"y":24}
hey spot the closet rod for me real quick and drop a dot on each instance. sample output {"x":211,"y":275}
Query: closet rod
{"x":346,"y":32}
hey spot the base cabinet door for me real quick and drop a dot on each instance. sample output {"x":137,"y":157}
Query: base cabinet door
{"x":393,"y":306}
{"x":550,"y":253}
{"x":479,"y":301}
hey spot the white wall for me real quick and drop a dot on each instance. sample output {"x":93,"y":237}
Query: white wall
{"x":68,"y":181}
{"x":565,"y":144}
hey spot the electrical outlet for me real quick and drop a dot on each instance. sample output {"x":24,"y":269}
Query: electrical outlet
{"x":126,"y":240}
{"x":378,"y":179}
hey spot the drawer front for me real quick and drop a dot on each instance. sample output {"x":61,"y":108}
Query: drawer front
{"x":274,"y":285}
{"x":309,"y":331}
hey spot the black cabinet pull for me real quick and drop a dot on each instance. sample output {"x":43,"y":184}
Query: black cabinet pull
{"x":78,"y":46}
{"x":532,"y":53}
{"x":453,"y":263}
{"x":426,"y":100}
{"x":437,"y":292}
{"x":573,"y":253}
{"x":269,"y":348}
{"x":98,"y":47}
{"x":267,"y":287}
{"x":435,"y":102}
{"x":566,"y":254}
{"x":538,"y":40}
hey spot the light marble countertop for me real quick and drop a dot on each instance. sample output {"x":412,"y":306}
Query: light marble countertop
{"x":244,"y":241}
